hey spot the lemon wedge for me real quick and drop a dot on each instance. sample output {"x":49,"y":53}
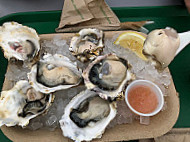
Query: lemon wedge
{"x":132,"y":40}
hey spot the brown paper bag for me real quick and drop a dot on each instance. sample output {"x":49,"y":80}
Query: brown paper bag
{"x":78,"y":14}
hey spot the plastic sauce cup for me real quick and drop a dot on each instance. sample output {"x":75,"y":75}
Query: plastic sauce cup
{"x":154,"y":88}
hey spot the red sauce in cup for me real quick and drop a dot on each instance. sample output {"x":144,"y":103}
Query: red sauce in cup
{"x":142,"y":99}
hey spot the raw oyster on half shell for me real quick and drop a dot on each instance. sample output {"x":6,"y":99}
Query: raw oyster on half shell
{"x":86,"y":116}
{"x":108,"y":75}
{"x":87,"y":44}
{"x":54,"y":72}
{"x":18,"y":41}
{"x":22,"y":103}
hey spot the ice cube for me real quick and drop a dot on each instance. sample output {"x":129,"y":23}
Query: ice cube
{"x":145,"y":120}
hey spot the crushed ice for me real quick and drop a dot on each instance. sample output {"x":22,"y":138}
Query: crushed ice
{"x":50,"y":120}
{"x":57,"y":45}
{"x":16,"y":72}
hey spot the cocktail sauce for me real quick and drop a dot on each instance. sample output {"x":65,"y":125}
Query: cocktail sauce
{"x":142,"y":99}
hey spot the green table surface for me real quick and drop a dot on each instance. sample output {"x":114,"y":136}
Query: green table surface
{"x":173,"y":16}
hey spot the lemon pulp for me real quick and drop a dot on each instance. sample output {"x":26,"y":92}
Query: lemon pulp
{"x":132,"y":40}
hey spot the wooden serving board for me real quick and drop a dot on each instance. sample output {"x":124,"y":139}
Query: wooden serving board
{"x":159,"y":124}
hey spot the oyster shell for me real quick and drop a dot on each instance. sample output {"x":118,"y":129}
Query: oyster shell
{"x":161,"y":46}
{"x":107,"y":75}
{"x":22,"y":103}
{"x":54,"y":72}
{"x":18,"y":41}
{"x":86,"y":116}
{"x":87,"y":44}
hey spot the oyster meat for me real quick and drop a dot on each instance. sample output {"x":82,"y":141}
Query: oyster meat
{"x":54,"y":72}
{"x":86,"y":116}
{"x":108,"y":75}
{"x":87,"y":44}
{"x":18,"y":41}
{"x":22,"y":103}
{"x":160,"y":46}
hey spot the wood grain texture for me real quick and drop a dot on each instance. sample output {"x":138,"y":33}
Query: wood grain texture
{"x":159,"y":124}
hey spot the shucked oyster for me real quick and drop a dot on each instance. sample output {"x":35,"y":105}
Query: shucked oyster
{"x":87,"y":44}
{"x":22,"y":103}
{"x":107,"y":75}
{"x":86,"y":116}
{"x":19,"y":41}
{"x":54,"y":72}
{"x":161,"y":46}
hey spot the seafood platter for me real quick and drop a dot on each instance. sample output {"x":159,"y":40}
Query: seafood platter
{"x":76,"y":86}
